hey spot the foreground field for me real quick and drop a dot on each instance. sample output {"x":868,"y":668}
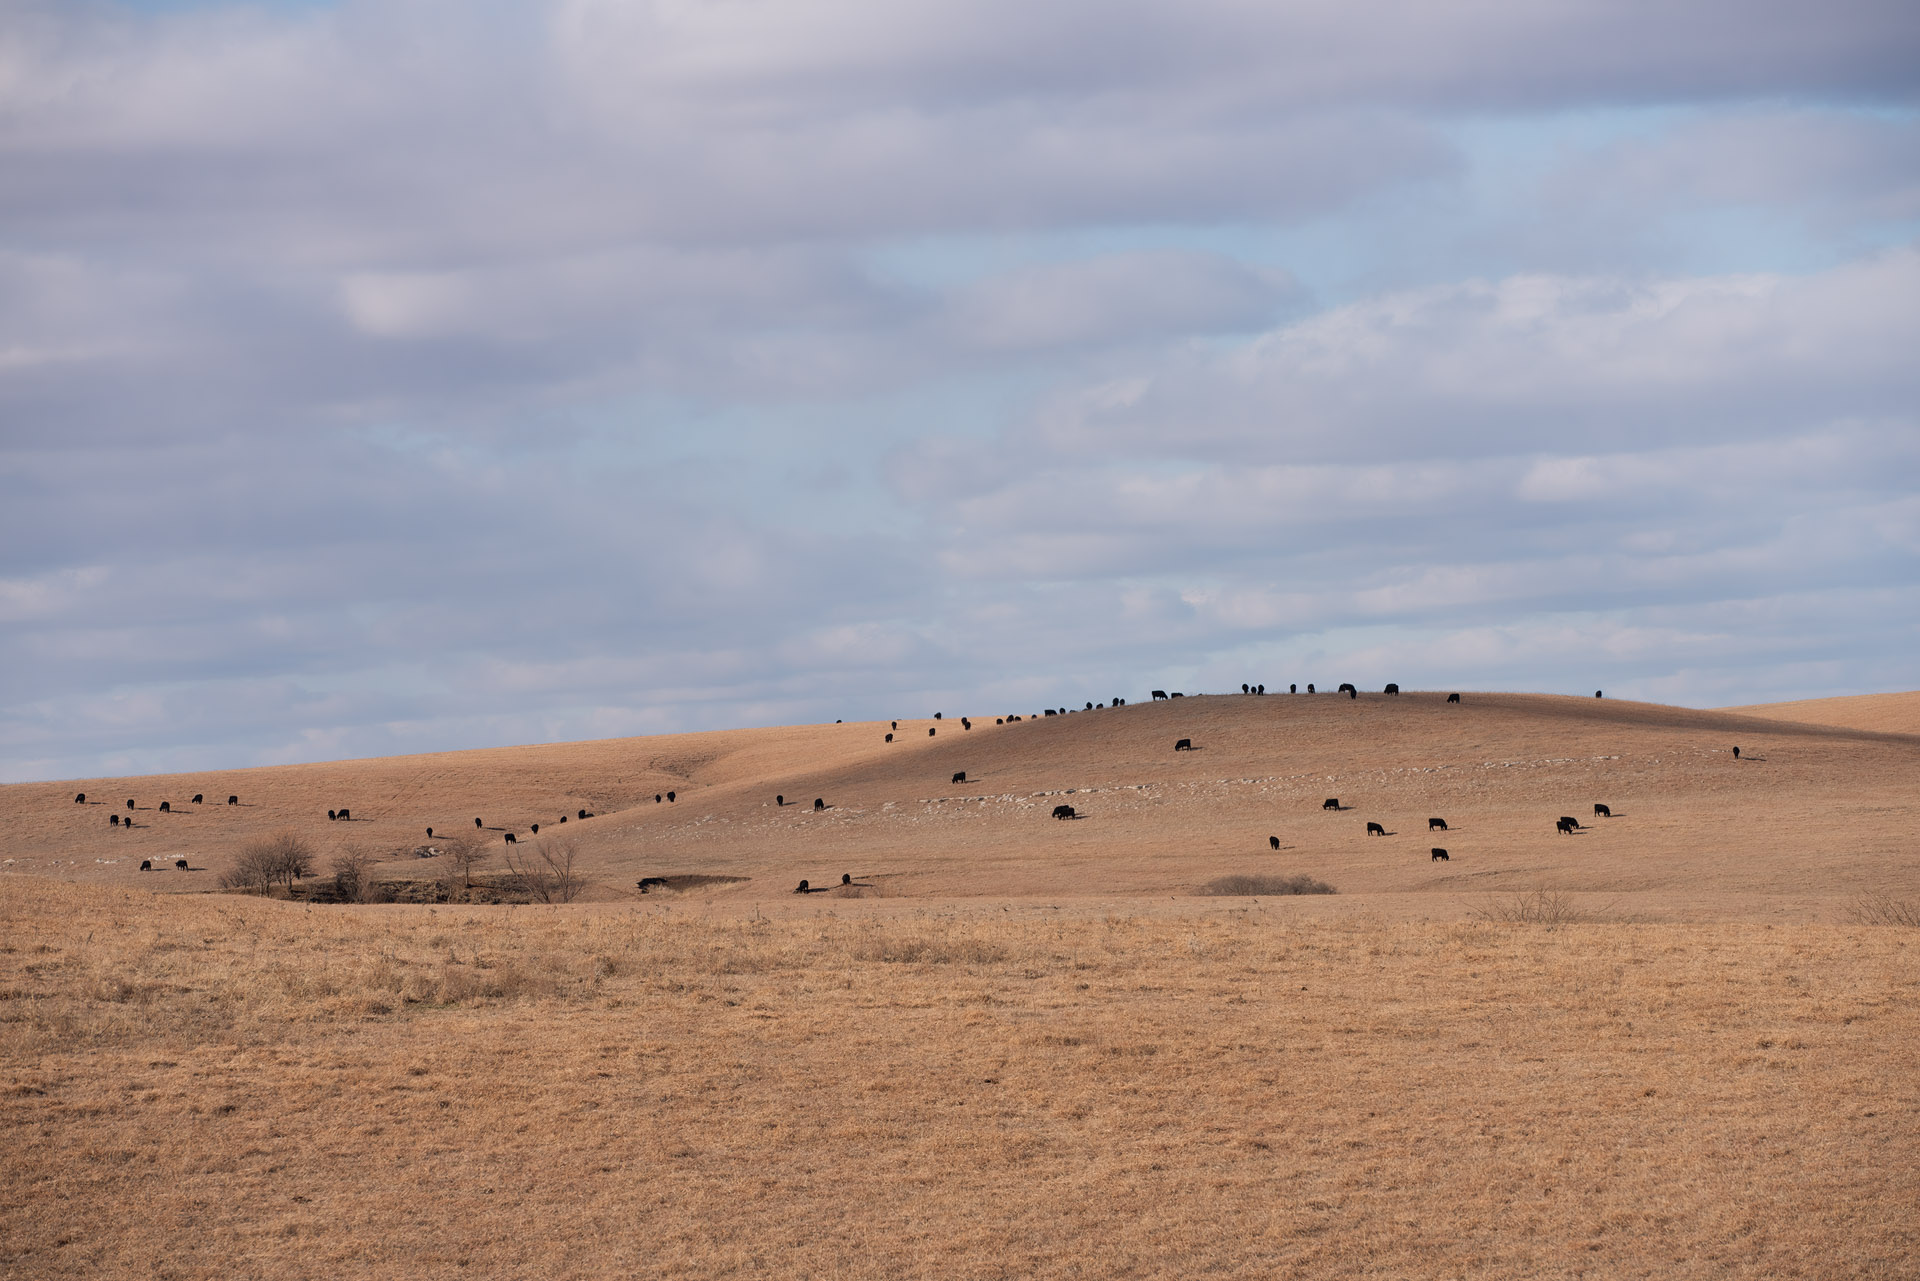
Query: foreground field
{"x":211,"y":1087}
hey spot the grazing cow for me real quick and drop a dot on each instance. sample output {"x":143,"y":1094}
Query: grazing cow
{"x":1159,"y":694}
{"x":1374,"y":829}
{"x":1436,"y":825}
{"x":1596,"y":693}
{"x":1565,"y":827}
{"x":1570,"y":820}
{"x":429,"y":833}
{"x":179,"y":865}
{"x":895,"y":725}
{"x":1293,"y":689}
{"x":936,"y":716}
{"x":233,"y":800}
{"x":1177,"y":694}
{"x":478,"y":823}
{"x":819,"y":803}
{"x":1392,"y":689}
{"x":1439,"y":855}
{"x":657,"y":798}
{"x":146,"y":865}
{"x":996,"y":720}
{"x":563,"y":818}
{"x":1063,"y":811}
{"x":1453,"y":698}
{"x":166,"y":807}
{"x":536,"y":829}
{"x":1245,"y":688}
{"x":1601,"y":811}
{"x":965,"y":723}
{"x":800,"y":888}
{"x":1183,"y":745}
{"x":1274,"y":842}
{"x":1736,"y":756}
{"x":346,"y":815}
{"x":1736,"y":752}
{"x":1346,"y":689}
{"x":846,"y":878}
{"x":198,"y":797}
{"x":331,"y":816}
{"x":1331,"y":803}
{"x":961,"y":777}
{"x":1119,"y":702}
{"x":779,"y":801}
{"x":81,"y":799}
{"x":1259,"y":689}
{"x":512,"y":839}
{"x":889,"y":738}
{"x":1309,"y":687}
{"x":1047,"y":712}
{"x":931,"y":731}
{"x":113,"y":820}
{"x":1353,"y":693}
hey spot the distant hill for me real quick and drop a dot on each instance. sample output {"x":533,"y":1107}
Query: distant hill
{"x":1881,"y":713}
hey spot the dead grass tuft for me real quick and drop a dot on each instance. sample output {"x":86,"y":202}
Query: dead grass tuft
{"x":1535,"y":907}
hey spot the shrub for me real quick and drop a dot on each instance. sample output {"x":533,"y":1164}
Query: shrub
{"x":1537,"y":907}
{"x":1883,"y":909}
{"x":353,"y":874}
{"x":544,"y":871}
{"x":1266,"y":886}
{"x":282,"y":858}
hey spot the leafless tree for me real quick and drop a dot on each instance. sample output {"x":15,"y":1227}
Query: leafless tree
{"x":544,"y":870}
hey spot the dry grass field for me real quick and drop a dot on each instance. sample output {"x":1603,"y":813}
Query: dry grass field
{"x":1021,"y":1047}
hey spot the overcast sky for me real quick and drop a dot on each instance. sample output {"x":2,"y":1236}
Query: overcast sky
{"x":411,"y":375}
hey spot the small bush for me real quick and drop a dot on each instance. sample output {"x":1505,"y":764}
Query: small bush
{"x":1538,"y":907}
{"x":280,"y":859}
{"x":1884,"y":909}
{"x":1265,"y":886}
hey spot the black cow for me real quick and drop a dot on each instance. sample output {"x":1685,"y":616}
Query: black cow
{"x":81,"y":799}
{"x":1159,"y":694}
{"x":800,"y":888}
{"x":1353,"y":693}
{"x":233,"y":800}
{"x":1177,"y":694}
{"x":819,"y":803}
{"x":1568,"y":819}
{"x":563,"y":818}
{"x":936,"y":716}
{"x":429,"y":833}
{"x":146,"y":865}
{"x":965,"y":723}
{"x":1391,"y":689}
{"x":179,"y":865}
{"x":889,"y":738}
{"x":931,"y":731}
{"x":512,"y":839}
{"x":1453,"y":698}
{"x":1309,"y":687}
{"x":997,"y":720}
{"x":1346,"y":689}
{"x":331,"y":816}
{"x":1245,"y":688}
{"x":346,"y":815}
{"x":1736,"y":756}
{"x":130,"y":799}
{"x":961,"y":777}
{"x":113,"y":820}
{"x":657,"y":798}
{"x":1436,"y":825}
{"x":1063,"y":811}
{"x":1439,"y":855}
{"x":1184,"y":745}
{"x":1566,"y":826}
{"x":1374,"y":829}
{"x":779,"y":801}
{"x":1274,"y":842}
{"x":198,"y":797}
{"x":1293,"y":689}
{"x":1088,"y":707}
{"x":1047,"y":712}
{"x":1601,"y":811}
{"x":1331,"y":803}
{"x":166,"y":807}
{"x":536,"y":829}
{"x":1259,"y":689}
{"x":1596,"y":693}
{"x":895,"y":725}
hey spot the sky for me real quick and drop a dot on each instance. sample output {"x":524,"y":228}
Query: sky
{"x":412,"y":375}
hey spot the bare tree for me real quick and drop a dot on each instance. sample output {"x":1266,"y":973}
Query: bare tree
{"x":544,"y":870}
{"x":281,"y":858}
{"x":462,"y":853}
{"x":353,"y":873}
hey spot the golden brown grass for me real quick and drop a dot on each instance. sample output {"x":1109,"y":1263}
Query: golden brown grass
{"x":217,"y":1087}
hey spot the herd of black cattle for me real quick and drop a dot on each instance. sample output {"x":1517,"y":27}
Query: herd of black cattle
{"x":1565,"y":825}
